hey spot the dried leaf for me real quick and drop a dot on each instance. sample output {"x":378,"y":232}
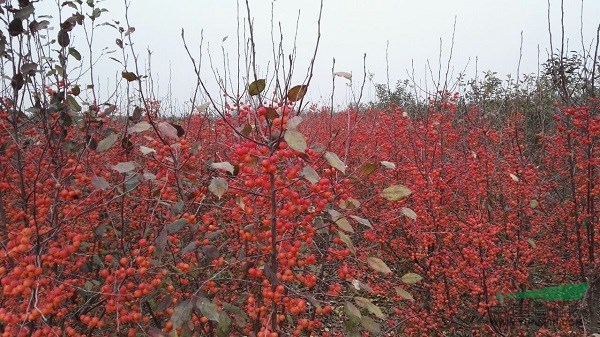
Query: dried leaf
{"x":378,"y":265}
{"x":15,"y":27}
{"x":411,"y":278}
{"x":29,"y":68}
{"x":167,"y":130}
{"x":72,"y":103}
{"x":368,"y":168}
{"x":63,"y":38}
{"x":352,"y":311}
{"x":145,"y":150}
{"x":296,"y":93}
{"x":124,"y":167}
{"x":388,"y":165}
{"x":107,"y":142}
{"x":180,"y":130}
{"x":344,"y":74}
{"x":404,"y":294}
{"x":534,"y":204}
{"x":367,"y":304}
{"x":129,"y":76}
{"x":409,"y":213}
{"x":202,"y":107}
{"x":310,"y":174}
{"x":396,"y":193}
{"x":225,"y":166}
{"x":271,"y":114}
{"x":218,"y":186}
{"x":182,"y":313}
{"x":294,"y":122}
{"x":335,"y":162}
{"x":362,"y":221}
{"x":343,"y":224}
{"x":110,"y":109}
{"x":139,"y":127}
{"x":295,"y":140}
{"x":370,"y":325}
{"x":176,"y":226}
{"x":99,"y":183}
{"x":257,"y":87}
{"x":346,"y":239}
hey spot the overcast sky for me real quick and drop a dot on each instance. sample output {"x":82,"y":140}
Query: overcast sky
{"x":489,"y":30}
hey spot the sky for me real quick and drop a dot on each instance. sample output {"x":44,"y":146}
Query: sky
{"x":396,"y":35}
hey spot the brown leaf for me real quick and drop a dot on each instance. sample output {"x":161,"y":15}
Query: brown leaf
{"x":129,"y":76}
{"x":378,"y":265}
{"x":63,"y":38}
{"x":297,"y":93}
{"x":15,"y":27}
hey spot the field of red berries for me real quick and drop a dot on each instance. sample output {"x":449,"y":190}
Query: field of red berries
{"x":270,"y":222}
{"x":262,"y":217}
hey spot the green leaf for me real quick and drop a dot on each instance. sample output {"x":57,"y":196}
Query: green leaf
{"x":310,"y":174}
{"x":224,"y":325}
{"x":129,"y":76}
{"x":367,"y":304}
{"x":76,"y":90}
{"x":139,"y":127}
{"x":296,"y":93}
{"x":362,"y":221}
{"x":534,"y":204}
{"x":124,"y":167}
{"x":209,"y":310}
{"x":411,"y":278}
{"x":182,"y":314}
{"x":256,"y":87}
{"x":396,"y":193}
{"x":72,"y":103}
{"x":132,"y":181}
{"x":107,"y":142}
{"x":294,"y":122}
{"x":76,"y":55}
{"x":160,"y":243}
{"x":99,"y":183}
{"x":403,"y":293}
{"x":176,"y":226}
{"x":346,"y":239}
{"x":370,"y":325}
{"x":352,"y":311}
{"x":295,"y":140}
{"x":335,"y":162}
{"x":378,"y":265}
{"x":343,"y":224}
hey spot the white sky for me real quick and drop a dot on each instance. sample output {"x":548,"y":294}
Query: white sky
{"x":487,"y":29}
